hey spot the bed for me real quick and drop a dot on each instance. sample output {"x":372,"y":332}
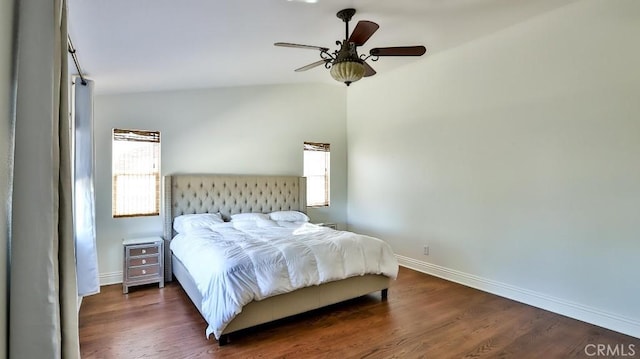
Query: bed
{"x":233,"y":194}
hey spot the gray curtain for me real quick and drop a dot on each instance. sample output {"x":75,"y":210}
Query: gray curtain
{"x":43,"y":309}
{"x":84,"y":195}
{"x":7,"y":104}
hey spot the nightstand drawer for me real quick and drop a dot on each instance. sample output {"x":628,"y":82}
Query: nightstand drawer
{"x":143,"y":250}
{"x":134,"y":262}
{"x":143,"y":271}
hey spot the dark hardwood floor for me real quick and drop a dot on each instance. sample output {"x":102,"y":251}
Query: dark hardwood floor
{"x":424,"y":317}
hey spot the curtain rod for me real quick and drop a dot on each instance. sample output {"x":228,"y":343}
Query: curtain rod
{"x":72,"y":51}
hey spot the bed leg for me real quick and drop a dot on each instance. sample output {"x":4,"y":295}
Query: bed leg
{"x":384,"y":294}
{"x":224,"y":340}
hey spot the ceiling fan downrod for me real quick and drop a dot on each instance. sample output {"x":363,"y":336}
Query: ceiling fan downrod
{"x":346,"y":16}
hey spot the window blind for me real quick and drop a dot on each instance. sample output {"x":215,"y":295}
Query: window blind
{"x":136,"y":173}
{"x":317,"y":171}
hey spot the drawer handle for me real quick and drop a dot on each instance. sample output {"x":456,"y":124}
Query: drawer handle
{"x":144,"y":271}
{"x":144,"y":261}
{"x":144,"y":251}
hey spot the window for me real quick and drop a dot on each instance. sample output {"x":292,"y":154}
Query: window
{"x":316,"y":169}
{"x":136,"y":173}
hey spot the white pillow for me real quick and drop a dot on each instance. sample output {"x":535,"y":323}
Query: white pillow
{"x":289,"y":224}
{"x":288,"y":216}
{"x":193,"y":222}
{"x":266,"y":223}
{"x":248,"y":216}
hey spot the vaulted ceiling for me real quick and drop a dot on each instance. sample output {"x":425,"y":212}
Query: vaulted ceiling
{"x":149,"y":45}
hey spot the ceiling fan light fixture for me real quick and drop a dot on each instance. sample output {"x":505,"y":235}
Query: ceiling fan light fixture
{"x":347,"y":71}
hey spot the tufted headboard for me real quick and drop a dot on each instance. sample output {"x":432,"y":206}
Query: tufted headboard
{"x":230,"y":194}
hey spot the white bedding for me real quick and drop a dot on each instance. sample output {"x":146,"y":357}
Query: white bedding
{"x":237,"y":263}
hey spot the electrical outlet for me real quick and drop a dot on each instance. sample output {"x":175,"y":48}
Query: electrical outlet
{"x":425,"y":250}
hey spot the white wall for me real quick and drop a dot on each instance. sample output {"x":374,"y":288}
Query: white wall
{"x":243,"y":130}
{"x":6,"y":139}
{"x":515,"y":158}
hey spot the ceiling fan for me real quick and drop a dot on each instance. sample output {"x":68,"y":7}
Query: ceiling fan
{"x":345,"y":64}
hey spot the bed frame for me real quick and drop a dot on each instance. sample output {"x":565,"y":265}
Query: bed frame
{"x":230,"y":194}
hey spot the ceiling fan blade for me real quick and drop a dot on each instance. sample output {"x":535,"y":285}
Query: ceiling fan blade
{"x":310,"y":66}
{"x":363,"y":32}
{"x":368,"y":70}
{"x":398,"y":51}
{"x":298,"y":46}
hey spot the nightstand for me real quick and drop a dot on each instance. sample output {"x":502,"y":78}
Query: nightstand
{"x":143,"y":262}
{"x":330,"y":225}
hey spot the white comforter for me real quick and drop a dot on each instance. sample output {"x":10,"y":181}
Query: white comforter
{"x":234,"y":265}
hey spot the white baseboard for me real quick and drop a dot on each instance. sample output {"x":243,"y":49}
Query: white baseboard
{"x":557,"y":305}
{"x":110,"y":278}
